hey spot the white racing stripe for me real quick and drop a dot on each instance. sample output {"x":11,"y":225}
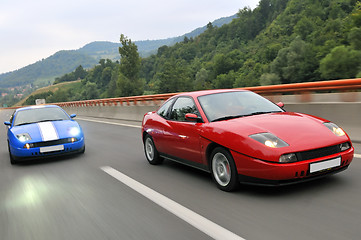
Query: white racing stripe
{"x":201,"y":223}
{"x":47,"y":131}
{"x":114,"y":123}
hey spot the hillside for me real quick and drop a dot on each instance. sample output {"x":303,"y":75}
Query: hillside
{"x":280,"y":41}
{"x":48,"y":91}
{"x":44,"y":72}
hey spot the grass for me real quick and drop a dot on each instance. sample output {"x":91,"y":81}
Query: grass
{"x":52,"y":88}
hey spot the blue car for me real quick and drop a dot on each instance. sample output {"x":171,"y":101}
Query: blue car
{"x":43,"y":131}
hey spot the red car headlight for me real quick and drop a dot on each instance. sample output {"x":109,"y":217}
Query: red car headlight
{"x":335,"y":129}
{"x":269,"y":140}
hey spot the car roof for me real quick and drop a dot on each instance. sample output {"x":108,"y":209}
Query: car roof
{"x":35,"y":107}
{"x":207,"y":92}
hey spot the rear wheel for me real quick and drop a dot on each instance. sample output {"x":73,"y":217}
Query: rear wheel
{"x":151,"y":152}
{"x":224,"y":170}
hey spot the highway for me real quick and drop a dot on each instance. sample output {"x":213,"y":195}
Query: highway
{"x":101,"y":195}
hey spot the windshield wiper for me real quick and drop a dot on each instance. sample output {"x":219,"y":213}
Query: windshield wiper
{"x":20,"y":124}
{"x":244,"y":115}
{"x":48,"y":120}
{"x":259,"y":113}
{"x":227,"y":118}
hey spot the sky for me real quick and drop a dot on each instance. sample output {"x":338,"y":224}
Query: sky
{"x":34,"y":30}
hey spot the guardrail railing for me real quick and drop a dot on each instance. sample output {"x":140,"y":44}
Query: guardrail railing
{"x":294,"y":88}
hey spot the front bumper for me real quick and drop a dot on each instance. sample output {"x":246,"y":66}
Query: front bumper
{"x":254,"y":171}
{"x":22,"y":154}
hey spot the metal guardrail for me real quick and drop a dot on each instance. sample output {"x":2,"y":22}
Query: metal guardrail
{"x":294,"y":88}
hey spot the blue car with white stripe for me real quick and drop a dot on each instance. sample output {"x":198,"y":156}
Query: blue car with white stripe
{"x":43,"y":131}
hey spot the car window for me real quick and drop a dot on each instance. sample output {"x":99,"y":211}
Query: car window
{"x":235,"y":104}
{"x":181,"y":107}
{"x":164,"y":109}
{"x":34,"y":115}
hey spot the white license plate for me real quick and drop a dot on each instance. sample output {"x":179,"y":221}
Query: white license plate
{"x":52,"y":148}
{"x":319,"y":166}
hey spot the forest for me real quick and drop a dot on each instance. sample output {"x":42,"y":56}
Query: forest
{"x":278,"y":42}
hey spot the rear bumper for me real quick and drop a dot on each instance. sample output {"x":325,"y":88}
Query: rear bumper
{"x":255,"y":171}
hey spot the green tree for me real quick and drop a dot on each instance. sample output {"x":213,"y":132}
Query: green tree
{"x":296,"y":63}
{"x":80,"y":72}
{"x":341,"y":62}
{"x":354,"y":38}
{"x":269,"y":79}
{"x":129,"y":81}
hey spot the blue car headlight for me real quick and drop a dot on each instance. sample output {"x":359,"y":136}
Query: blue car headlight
{"x":269,"y":140}
{"x":23,"y":137}
{"x":74,"y":131}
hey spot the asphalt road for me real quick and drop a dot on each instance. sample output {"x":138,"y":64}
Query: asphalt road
{"x":74,"y":198}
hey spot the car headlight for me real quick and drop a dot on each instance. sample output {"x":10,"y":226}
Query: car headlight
{"x":288,"y":158}
{"x":74,"y":131}
{"x":335,"y":129}
{"x":269,"y":140}
{"x":23,"y":137}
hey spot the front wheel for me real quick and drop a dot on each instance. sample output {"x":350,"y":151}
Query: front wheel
{"x":12,"y":159}
{"x":151,"y":152}
{"x":224,"y":172}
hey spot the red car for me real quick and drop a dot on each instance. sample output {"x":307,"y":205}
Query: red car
{"x":239,"y":136}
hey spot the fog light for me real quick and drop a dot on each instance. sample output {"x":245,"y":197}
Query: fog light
{"x":288,"y":158}
{"x":27,"y":146}
{"x":344,"y":146}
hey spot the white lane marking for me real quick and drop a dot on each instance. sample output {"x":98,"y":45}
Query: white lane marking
{"x":120,"y":124}
{"x":47,"y":131}
{"x":357,"y":155}
{"x":201,"y":223}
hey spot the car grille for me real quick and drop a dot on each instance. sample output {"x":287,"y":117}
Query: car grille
{"x":53,"y":142}
{"x":318,"y":153}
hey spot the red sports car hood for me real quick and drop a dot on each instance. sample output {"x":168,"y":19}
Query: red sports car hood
{"x":301,"y":131}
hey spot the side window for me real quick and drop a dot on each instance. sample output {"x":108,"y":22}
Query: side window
{"x":181,"y":107}
{"x":164,"y":109}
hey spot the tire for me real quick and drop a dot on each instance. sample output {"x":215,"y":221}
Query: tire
{"x":151,"y":152}
{"x":82,"y":151}
{"x":223,"y":168}
{"x":12,"y":160}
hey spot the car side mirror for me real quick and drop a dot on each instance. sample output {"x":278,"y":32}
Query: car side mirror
{"x":280,"y":104}
{"x":72,"y":115}
{"x":7,"y":123}
{"x":193,"y":117}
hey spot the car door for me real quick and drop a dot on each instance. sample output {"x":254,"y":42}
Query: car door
{"x":182,"y":136}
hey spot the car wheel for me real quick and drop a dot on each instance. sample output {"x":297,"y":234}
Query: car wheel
{"x":82,"y":150}
{"x":151,"y":152}
{"x":224,"y":170}
{"x":12,"y":160}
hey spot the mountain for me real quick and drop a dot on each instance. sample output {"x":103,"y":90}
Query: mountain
{"x":44,"y":72}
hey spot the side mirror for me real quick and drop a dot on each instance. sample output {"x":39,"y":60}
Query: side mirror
{"x":72,"y":115}
{"x":193,"y":117}
{"x":280,"y":104}
{"x":7,"y":123}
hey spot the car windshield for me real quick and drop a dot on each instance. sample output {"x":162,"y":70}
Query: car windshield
{"x":228,"y":105}
{"x":33,"y":115}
